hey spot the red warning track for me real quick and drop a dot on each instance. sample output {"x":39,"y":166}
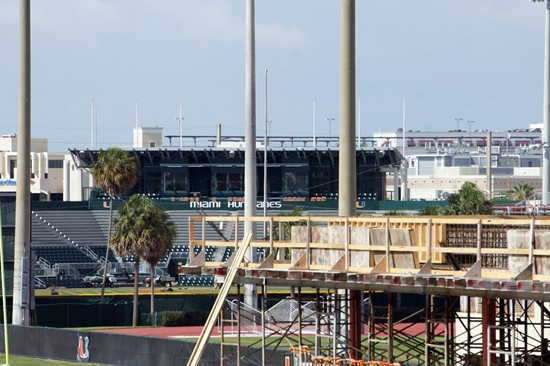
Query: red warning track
{"x":417,"y":329}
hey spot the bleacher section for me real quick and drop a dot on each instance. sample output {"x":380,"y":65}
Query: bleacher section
{"x":58,"y":235}
{"x":196,"y":281}
{"x":61,"y":254}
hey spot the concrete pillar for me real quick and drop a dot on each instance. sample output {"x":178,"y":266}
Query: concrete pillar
{"x":347,"y":195}
{"x":395,"y":185}
{"x":22,"y":250}
{"x":250,"y":195}
{"x":66,"y":180}
{"x":546,"y":113}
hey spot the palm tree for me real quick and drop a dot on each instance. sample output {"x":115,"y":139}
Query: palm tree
{"x":146,"y":232}
{"x":160,"y":238}
{"x":129,"y":238}
{"x":115,"y":172}
{"x":469,"y":200}
{"x":520,"y":192}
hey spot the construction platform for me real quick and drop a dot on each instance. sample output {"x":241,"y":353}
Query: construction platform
{"x":486,"y":282}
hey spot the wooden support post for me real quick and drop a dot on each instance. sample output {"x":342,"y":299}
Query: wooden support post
{"x":271,"y":236}
{"x":532,"y":241}
{"x":388,"y":258}
{"x":236,"y":232}
{"x":479,"y":240}
{"x":203,"y":232}
{"x":347,"y":245}
{"x":191,"y":238}
{"x":308,"y":243}
{"x":429,"y":241}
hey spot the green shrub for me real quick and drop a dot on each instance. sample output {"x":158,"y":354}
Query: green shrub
{"x":171,"y":319}
{"x":182,"y":318}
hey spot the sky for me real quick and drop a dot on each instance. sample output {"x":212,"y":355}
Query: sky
{"x":478,"y":60}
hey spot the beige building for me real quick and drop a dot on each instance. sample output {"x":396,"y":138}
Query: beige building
{"x":53,"y":175}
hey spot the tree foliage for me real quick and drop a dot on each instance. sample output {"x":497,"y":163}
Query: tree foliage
{"x":115,"y":171}
{"x":431,"y":210}
{"x":520,"y":192}
{"x":469,"y":200}
{"x":145,"y":231}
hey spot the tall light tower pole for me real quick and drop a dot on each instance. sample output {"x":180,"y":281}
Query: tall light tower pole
{"x":330,"y":120}
{"x":347,"y":187}
{"x":347,"y":167}
{"x":22,"y":251}
{"x":250,"y":195}
{"x":546,"y":113}
{"x":314,"y":123}
{"x":180,"y":119}
{"x":470,"y":123}
{"x":458,"y":120}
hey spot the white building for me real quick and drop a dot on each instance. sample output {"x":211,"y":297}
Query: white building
{"x":53,"y":175}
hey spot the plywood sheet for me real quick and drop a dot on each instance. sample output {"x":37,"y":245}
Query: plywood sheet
{"x":518,"y":239}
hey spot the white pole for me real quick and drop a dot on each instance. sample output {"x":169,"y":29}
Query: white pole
{"x":250,"y":190}
{"x":181,"y":121}
{"x":359,"y":122}
{"x":92,"y":124}
{"x":136,"y":133}
{"x":404,"y":106}
{"x":95,"y":125}
{"x":4,"y":305}
{"x":314,"y":122}
{"x":265,"y":159}
{"x":546,"y":113}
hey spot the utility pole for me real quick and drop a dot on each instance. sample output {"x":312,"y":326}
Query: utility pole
{"x":22,"y":251}
{"x":250,"y":196}
{"x":180,"y":118}
{"x":265,"y":159}
{"x":314,"y":123}
{"x":347,"y":187}
{"x":136,"y":144}
{"x":546,"y":113}
{"x":347,"y":166}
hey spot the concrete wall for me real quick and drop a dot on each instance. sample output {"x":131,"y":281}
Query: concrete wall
{"x":358,"y":236}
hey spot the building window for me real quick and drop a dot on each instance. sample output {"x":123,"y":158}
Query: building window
{"x":152,"y":144}
{"x":296,"y":181}
{"x":174,"y":182}
{"x":226,"y":182}
{"x":55,"y":164}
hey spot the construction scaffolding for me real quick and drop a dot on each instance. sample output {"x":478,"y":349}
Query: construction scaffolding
{"x":352,"y":280}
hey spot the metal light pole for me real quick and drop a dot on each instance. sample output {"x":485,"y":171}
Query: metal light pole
{"x":347,"y":187}
{"x":458,"y":120}
{"x":359,"y":122}
{"x":404,"y":119}
{"x":265,"y":158}
{"x":330,"y":120}
{"x":250,"y":195}
{"x":315,"y":122}
{"x":347,"y":165}
{"x":546,"y":113}
{"x":22,"y":251}
{"x":470,"y":123}
{"x":136,"y":134}
{"x":180,"y":119}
